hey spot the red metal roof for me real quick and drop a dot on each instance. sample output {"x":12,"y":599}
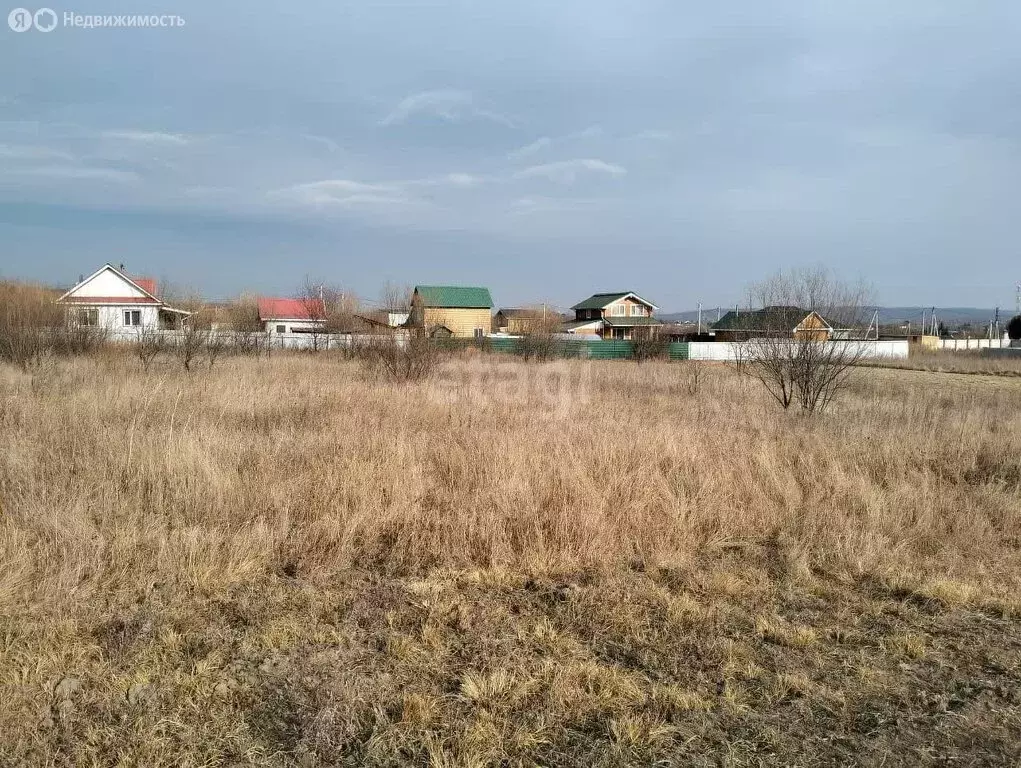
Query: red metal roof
{"x":288,"y":309}
{"x":147,"y":284}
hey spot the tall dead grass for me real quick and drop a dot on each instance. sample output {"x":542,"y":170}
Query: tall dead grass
{"x":113,"y":480}
{"x":958,"y":361}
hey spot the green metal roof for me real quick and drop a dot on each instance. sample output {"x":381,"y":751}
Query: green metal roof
{"x":454,"y":296}
{"x":621,"y":322}
{"x":600,"y":300}
{"x":770,"y":318}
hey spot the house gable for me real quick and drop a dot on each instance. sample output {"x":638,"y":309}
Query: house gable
{"x":108,"y":285}
{"x":814,"y":322}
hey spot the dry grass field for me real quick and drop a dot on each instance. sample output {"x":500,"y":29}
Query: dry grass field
{"x":287,"y":562}
{"x":958,"y":362}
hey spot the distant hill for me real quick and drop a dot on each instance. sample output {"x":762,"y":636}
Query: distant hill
{"x":887,"y":315}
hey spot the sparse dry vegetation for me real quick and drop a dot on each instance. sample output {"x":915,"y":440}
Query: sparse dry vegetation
{"x":32,"y":327}
{"x":648,"y":344}
{"x":967,"y":362}
{"x":289,"y":561}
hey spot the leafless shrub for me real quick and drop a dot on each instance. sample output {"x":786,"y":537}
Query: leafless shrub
{"x":149,"y":343}
{"x":809,"y":337}
{"x":401,"y":358}
{"x":647,"y":344}
{"x":538,"y":328}
{"x":695,"y":376}
{"x":190,"y":344}
{"x":216,"y":344}
{"x":539,"y":347}
{"x":77,"y":339}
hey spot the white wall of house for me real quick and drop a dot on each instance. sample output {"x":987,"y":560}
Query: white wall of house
{"x":110,"y":317}
{"x":291,"y":326}
{"x":108,"y":283}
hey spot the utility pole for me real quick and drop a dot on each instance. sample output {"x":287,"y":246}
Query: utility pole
{"x":699,"y":318}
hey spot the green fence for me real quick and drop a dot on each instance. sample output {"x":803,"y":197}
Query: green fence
{"x":679,"y":350}
{"x":569,"y":348}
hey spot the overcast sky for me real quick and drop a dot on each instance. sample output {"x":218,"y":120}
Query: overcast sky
{"x":548,"y":149}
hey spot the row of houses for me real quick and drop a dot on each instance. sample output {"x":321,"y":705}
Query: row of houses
{"x":112,"y":299}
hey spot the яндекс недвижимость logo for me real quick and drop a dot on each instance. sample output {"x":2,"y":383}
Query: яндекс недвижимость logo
{"x":46,"y":20}
{"x":22,"y":19}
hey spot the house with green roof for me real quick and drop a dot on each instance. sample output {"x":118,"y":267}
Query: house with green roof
{"x":777,"y":321}
{"x":452,"y":310}
{"x":615,"y":315}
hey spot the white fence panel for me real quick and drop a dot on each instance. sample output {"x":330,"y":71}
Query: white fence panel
{"x":954,"y":345}
{"x":733,"y":351}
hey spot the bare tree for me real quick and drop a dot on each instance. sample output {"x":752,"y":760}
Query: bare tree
{"x":313,"y":301}
{"x":395,"y":298}
{"x":808,"y":337}
{"x":330,"y":310}
{"x":342,"y":310}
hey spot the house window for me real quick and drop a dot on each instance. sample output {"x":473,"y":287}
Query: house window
{"x":637,"y":310}
{"x":618,"y":310}
{"x":281,"y":329}
{"x":133,"y":317}
{"x":87,"y":317}
{"x":479,"y":333}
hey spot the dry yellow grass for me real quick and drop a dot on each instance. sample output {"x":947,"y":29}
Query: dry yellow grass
{"x":488,"y":566}
{"x":959,"y":361}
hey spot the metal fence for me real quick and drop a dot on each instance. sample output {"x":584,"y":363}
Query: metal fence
{"x":954,"y":345}
{"x":585,"y":349}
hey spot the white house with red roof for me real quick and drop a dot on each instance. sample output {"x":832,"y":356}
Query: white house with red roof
{"x":111,"y":300}
{"x":292,"y":315}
